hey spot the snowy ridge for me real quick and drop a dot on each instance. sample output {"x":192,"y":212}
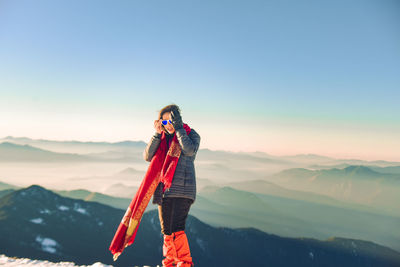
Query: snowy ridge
{"x":13,"y":261}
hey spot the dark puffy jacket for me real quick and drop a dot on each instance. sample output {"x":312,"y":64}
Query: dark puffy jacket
{"x":184,"y":180}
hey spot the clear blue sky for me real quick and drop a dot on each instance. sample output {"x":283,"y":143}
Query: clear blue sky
{"x":283,"y":77}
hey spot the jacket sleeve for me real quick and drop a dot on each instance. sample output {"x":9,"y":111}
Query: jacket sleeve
{"x":189,"y":145}
{"x":151,"y":147}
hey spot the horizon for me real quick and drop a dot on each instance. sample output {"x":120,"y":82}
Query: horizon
{"x":223,"y":150}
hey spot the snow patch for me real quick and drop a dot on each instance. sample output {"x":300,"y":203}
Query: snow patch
{"x":48,"y":244}
{"x":62,"y":208}
{"x":201,"y":244}
{"x":193,"y":230}
{"x":16,"y":262}
{"x":45,"y":211}
{"x":79,"y":209}
{"x":37,"y":220}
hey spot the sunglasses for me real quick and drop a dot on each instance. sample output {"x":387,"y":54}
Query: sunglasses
{"x":165,"y":122}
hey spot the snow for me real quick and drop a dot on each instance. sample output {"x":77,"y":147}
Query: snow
{"x":354,"y":248}
{"x":25,"y":262}
{"x":79,"y":209}
{"x":62,"y":207}
{"x":47,"y":244}
{"x":45,"y":211}
{"x":201,"y":244}
{"x":15,"y":262}
{"x":37,"y":220}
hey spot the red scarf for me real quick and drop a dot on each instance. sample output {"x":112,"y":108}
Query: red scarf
{"x":161,"y":169}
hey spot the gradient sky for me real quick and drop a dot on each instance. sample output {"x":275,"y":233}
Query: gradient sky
{"x":282,"y":77}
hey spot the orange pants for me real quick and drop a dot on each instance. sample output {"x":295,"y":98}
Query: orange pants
{"x":176,"y":250}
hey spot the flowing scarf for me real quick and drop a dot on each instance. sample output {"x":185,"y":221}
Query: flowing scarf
{"x":161,"y":169}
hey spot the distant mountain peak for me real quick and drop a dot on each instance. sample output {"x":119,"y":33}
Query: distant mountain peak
{"x":34,"y":191}
{"x":9,"y":144}
{"x":18,"y":146}
{"x":16,"y":138}
{"x":36,"y":187}
{"x":356,"y":167}
{"x":361,"y":170}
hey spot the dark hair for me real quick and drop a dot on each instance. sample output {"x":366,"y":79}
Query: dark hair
{"x":167,"y":109}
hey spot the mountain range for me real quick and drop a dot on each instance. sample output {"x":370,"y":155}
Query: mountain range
{"x":308,"y":196}
{"x":289,"y":214}
{"x":40,"y":224}
{"x":356,"y":184}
